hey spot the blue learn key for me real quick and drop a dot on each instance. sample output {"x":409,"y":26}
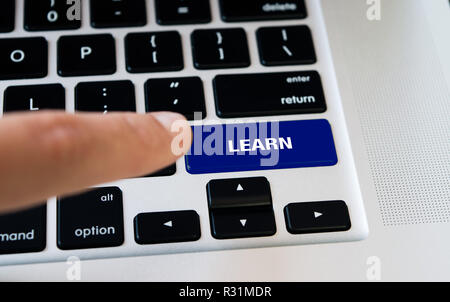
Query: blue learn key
{"x":261,"y":146}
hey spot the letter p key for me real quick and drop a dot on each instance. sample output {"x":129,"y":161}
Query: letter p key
{"x":85,"y":51}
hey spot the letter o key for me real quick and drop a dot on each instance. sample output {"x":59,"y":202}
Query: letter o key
{"x":17,"y":56}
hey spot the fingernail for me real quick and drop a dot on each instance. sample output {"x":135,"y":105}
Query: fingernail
{"x":167,"y":119}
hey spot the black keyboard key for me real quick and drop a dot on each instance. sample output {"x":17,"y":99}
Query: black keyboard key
{"x":86,"y":55}
{"x":268,"y":94}
{"x":154,"y":52}
{"x":34,"y":98}
{"x":118,"y":13}
{"x":91,"y":220}
{"x":254,"y":10}
{"x":167,"y":227}
{"x":181,"y":95}
{"x":170,"y":12}
{"x":50,"y":15}
{"x":169,"y":171}
{"x":239,"y":193}
{"x":289,"y":45}
{"x":220,"y":48}
{"x":317,"y":217}
{"x":240,"y":207}
{"x":104,"y":97}
{"x":23,"y":232}
{"x":23,"y":58}
{"x":7,"y":15}
{"x":243,"y":223}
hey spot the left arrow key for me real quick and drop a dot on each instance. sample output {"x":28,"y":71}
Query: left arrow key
{"x":167,"y":227}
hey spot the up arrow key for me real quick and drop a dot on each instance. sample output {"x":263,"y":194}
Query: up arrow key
{"x":240,"y":188}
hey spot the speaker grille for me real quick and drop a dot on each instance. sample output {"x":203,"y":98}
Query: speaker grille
{"x":403,"y":103}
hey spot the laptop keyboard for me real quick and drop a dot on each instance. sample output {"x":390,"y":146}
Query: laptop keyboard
{"x":210,"y":60}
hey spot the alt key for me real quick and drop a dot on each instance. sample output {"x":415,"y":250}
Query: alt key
{"x":91,"y":220}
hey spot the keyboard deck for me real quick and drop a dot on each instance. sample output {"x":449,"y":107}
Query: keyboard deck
{"x":224,"y":64}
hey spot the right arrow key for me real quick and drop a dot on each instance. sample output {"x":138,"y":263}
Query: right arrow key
{"x":317,"y":217}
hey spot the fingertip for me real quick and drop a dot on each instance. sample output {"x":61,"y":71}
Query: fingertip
{"x":168,"y":119}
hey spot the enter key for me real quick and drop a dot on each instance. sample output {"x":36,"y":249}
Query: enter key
{"x":266,"y":94}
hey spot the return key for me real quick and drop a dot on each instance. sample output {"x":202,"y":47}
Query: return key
{"x":267,"y":94}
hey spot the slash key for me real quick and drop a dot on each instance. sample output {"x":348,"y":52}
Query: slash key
{"x":290,"y":45}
